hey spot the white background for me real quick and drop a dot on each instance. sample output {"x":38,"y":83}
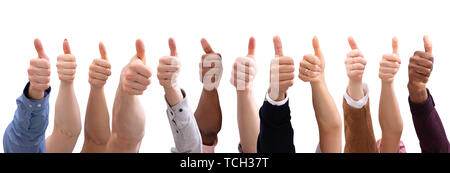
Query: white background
{"x":227,"y":25}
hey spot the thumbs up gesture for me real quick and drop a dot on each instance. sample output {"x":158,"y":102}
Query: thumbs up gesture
{"x":419,"y":70}
{"x":135,"y":77}
{"x":312,"y":66}
{"x":66,"y":65}
{"x":169,"y":67}
{"x":390,"y":63}
{"x":281,"y":72}
{"x":355,"y":62}
{"x":210,"y":67}
{"x":244,"y":69}
{"x":100,"y":69}
{"x":38,"y":73}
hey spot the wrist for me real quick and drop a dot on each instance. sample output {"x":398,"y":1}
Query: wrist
{"x":173,"y":95}
{"x":318,"y":83}
{"x":417,"y":94}
{"x":35,"y":94}
{"x":387,"y":83}
{"x":96,"y":88}
{"x":355,"y":90}
{"x":66,"y":83}
{"x":280,"y":96}
{"x":355,"y":83}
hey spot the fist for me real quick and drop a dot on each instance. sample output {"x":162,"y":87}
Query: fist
{"x":390,"y":63}
{"x":421,"y":65}
{"x":66,"y":64}
{"x":244,"y":69}
{"x":135,"y":76}
{"x":169,"y":67}
{"x":355,"y":62}
{"x":100,"y":69}
{"x":210,"y":67}
{"x":311,"y":66}
{"x":281,"y":72}
{"x":39,"y":72}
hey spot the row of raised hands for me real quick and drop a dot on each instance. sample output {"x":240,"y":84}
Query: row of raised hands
{"x":268,"y":130}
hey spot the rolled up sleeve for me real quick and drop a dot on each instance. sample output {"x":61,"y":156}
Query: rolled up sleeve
{"x":185,"y":131}
{"x":26,"y":132}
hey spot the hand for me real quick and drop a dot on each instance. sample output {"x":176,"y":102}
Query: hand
{"x":169,"y":67}
{"x":38,"y":73}
{"x":419,"y":70}
{"x":135,"y":77}
{"x":244,"y":69}
{"x":210,"y":67}
{"x":281,"y":72}
{"x":390,"y":64}
{"x":355,"y":62}
{"x":66,"y":65}
{"x":312,"y":66}
{"x":100,"y":69}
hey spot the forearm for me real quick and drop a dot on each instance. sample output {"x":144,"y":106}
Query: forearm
{"x":209,"y":116}
{"x":390,"y":119}
{"x":67,"y":121}
{"x":328,"y":119}
{"x":26,"y":132}
{"x":276,"y":134}
{"x":128,"y":123}
{"x":355,"y":89}
{"x":248,"y":121}
{"x":184,"y":128}
{"x":173,"y":95}
{"x":428,"y":126}
{"x":359,"y":136}
{"x":96,"y":127}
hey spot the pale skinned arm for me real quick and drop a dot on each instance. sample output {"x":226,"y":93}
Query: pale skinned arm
{"x":128,"y":122}
{"x":327,"y":116}
{"x":247,"y":112}
{"x":67,"y":126}
{"x":96,"y":124}
{"x":248,"y":120}
{"x":389,"y":113}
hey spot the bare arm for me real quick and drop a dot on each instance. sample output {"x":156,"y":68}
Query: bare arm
{"x":209,"y":113}
{"x":327,"y":116}
{"x":389,"y":113}
{"x":67,"y":112}
{"x":128,"y":122}
{"x":247,"y":112}
{"x":96,"y":123}
{"x":248,"y":120}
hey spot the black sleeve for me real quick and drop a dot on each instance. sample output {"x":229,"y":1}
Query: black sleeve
{"x":276,"y":134}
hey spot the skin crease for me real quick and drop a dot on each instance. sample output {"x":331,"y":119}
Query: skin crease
{"x":419,"y":70}
{"x":208,"y":113}
{"x":168,"y":69}
{"x":247,"y":112}
{"x":67,"y":126}
{"x":390,"y":119}
{"x":128,"y":118}
{"x":97,"y":131}
{"x":281,"y":72}
{"x":328,"y":119}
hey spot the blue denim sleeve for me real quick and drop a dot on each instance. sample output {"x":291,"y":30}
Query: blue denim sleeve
{"x":26,"y":132}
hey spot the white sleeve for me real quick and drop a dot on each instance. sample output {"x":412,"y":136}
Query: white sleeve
{"x":277,"y":103}
{"x":358,"y":104}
